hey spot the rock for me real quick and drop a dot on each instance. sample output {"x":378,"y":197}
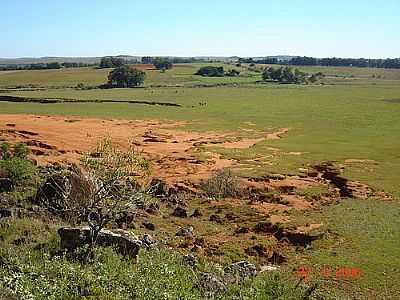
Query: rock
{"x":180,"y":212}
{"x":210,"y":284}
{"x":6,"y":185}
{"x":190,"y":260}
{"x":197,"y":213}
{"x":216,"y":219}
{"x":268,"y":268}
{"x":243,"y":269}
{"x":153,"y":208}
{"x":185,"y":232}
{"x":242,"y":229}
{"x":300,"y":236}
{"x":266,"y":227}
{"x":258,"y":250}
{"x":149,"y":226}
{"x":231,"y":216}
{"x":159,"y":188}
{"x":5,"y":213}
{"x":277,"y":258}
{"x":148,"y":241}
{"x":125,"y":219}
{"x":127,"y":244}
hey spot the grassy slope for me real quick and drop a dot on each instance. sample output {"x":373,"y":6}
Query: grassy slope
{"x":348,"y":119}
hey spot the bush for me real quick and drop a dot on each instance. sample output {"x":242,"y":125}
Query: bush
{"x":162,"y":63}
{"x":125,"y":77}
{"x":222,"y":184}
{"x":211,"y":71}
{"x":22,"y":172}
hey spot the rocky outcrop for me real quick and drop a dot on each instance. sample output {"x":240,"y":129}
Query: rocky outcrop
{"x":126,"y":243}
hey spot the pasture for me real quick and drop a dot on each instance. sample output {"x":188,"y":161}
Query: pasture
{"x":350,"y":118}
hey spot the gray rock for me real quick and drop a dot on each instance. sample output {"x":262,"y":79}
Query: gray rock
{"x":149,"y":226}
{"x":210,"y":284}
{"x":127,"y":244}
{"x":148,"y":241}
{"x":5,"y":213}
{"x":6,"y":185}
{"x":185,"y":232}
{"x":180,"y":212}
{"x":243,"y":269}
{"x":190,"y":260}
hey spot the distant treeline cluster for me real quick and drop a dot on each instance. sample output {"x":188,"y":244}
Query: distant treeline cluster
{"x":45,"y":66}
{"x":389,"y":63}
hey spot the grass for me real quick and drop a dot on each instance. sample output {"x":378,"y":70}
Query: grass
{"x":27,"y":272}
{"x":365,"y":235}
{"x":353,"y":116}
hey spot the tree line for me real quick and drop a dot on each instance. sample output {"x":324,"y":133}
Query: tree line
{"x":290,"y":75}
{"x":389,"y":63}
{"x":45,"y":66}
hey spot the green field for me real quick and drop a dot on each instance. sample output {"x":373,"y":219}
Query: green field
{"x":353,"y":115}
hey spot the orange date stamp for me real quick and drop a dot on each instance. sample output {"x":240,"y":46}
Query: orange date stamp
{"x":328,"y":272}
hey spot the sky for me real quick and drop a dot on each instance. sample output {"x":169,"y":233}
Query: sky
{"x":319,"y":28}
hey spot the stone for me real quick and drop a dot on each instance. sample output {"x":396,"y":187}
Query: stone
{"x":242,"y":230}
{"x":159,"y":188}
{"x":210,"y":284}
{"x":197,"y":213}
{"x":190,"y":260}
{"x":148,"y":241}
{"x":127,"y":244}
{"x":243,"y":269}
{"x":6,"y":185}
{"x":149,"y":226}
{"x":5,"y":213}
{"x":216,"y":219}
{"x":180,"y":212}
{"x":185,"y":232}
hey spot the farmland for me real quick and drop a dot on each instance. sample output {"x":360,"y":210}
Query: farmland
{"x":349,"y":118}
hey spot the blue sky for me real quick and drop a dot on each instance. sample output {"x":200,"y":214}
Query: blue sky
{"x":320,"y":28}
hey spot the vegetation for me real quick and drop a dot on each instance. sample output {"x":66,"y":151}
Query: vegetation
{"x":111,"y":62}
{"x":162,"y":63}
{"x":222,"y":184}
{"x":211,"y":71}
{"x":126,"y":77}
{"x":284,"y":75}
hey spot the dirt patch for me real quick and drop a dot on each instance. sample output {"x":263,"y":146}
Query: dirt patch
{"x":278,"y":134}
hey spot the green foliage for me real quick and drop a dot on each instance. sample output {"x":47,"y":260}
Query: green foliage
{"x":111,"y":62}
{"x":159,"y":275}
{"x":126,"y":77}
{"x":22,"y":172}
{"x":222,"y":184}
{"x":284,"y":75}
{"x":162,"y":63}
{"x":211,"y":71}
{"x":21,"y":151}
{"x":232,"y":73}
{"x":5,"y":151}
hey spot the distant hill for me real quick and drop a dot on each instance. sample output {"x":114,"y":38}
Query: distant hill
{"x":96,"y":60}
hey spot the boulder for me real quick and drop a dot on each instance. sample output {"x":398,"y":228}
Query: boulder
{"x":243,"y":269}
{"x":180,"y":212}
{"x":242,"y":230}
{"x":190,"y":260}
{"x":210,"y":284}
{"x":5,"y":213}
{"x":160,"y":188}
{"x":125,"y":242}
{"x":149,"y":226}
{"x":6,"y":185}
{"x":185,"y":232}
{"x":148,"y":241}
{"x":197,"y":213}
{"x":216,"y":219}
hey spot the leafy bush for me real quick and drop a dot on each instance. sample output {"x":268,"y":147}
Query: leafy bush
{"x":22,"y":172}
{"x":159,"y":275}
{"x":222,"y":184}
{"x":125,"y":76}
{"x":211,"y":71}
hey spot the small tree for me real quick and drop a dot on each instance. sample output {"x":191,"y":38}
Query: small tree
{"x":125,"y":76}
{"x":105,"y":188}
{"x":162,"y":63}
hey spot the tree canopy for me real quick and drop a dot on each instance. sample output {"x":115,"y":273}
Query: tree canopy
{"x":211,"y":71}
{"x":111,"y":62}
{"x":289,"y":75}
{"x":162,"y":63}
{"x":125,"y":76}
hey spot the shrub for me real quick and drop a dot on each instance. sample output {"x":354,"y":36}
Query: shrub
{"x":125,"y":77}
{"x":22,"y":172}
{"x":21,"y":150}
{"x":222,"y":184}
{"x":211,"y":71}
